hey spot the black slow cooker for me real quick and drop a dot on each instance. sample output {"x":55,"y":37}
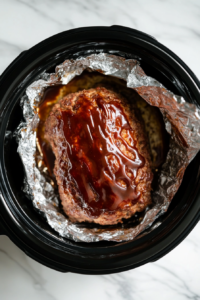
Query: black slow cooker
{"x":19,"y":221}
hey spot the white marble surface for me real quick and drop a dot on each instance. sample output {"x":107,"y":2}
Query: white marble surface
{"x":174,"y":23}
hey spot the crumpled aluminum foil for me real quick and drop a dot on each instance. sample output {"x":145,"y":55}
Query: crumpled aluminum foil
{"x":182,"y":121}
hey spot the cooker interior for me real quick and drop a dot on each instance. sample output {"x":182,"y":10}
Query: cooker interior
{"x":153,"y":67}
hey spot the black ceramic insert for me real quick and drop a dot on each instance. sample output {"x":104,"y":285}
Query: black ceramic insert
{"x":18,"y":220}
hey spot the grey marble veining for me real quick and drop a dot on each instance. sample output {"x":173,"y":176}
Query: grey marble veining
{"x":176,"y":24}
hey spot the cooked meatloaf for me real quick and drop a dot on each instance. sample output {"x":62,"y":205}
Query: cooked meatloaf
{"x":102,"y":166}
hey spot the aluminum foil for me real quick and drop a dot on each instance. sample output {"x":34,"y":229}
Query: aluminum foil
{"x":182,"y":121}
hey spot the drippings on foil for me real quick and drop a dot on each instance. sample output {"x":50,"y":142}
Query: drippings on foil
{"x":181,"y":120}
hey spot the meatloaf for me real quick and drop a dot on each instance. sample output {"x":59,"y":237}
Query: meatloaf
{"x":103,"y":165}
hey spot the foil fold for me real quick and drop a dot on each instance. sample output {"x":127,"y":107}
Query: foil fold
{"x":182,"y":121}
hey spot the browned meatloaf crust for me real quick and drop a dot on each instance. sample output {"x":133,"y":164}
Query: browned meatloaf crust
{"x":102,"y":164}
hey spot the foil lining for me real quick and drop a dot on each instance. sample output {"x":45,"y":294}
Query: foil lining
{"x":182,"y":121}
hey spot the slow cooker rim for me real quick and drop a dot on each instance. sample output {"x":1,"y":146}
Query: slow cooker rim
{"x":42,"y":42}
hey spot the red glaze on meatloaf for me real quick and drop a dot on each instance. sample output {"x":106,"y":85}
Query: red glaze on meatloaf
{"x":102,"y":155}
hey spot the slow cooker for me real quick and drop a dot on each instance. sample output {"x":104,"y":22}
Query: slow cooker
{"x":30,"y":231}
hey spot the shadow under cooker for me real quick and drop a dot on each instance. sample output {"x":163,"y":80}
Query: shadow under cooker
{"x":22,"y":224}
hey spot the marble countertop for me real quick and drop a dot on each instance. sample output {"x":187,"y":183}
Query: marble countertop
{"x":174,"y":23}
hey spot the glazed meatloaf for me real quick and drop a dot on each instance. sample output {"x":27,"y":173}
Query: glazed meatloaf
{"x":102,"y":166}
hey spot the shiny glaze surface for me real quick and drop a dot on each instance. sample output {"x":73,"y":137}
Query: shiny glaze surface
{"x":101,"y":163}
{"x":92,"y":80}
